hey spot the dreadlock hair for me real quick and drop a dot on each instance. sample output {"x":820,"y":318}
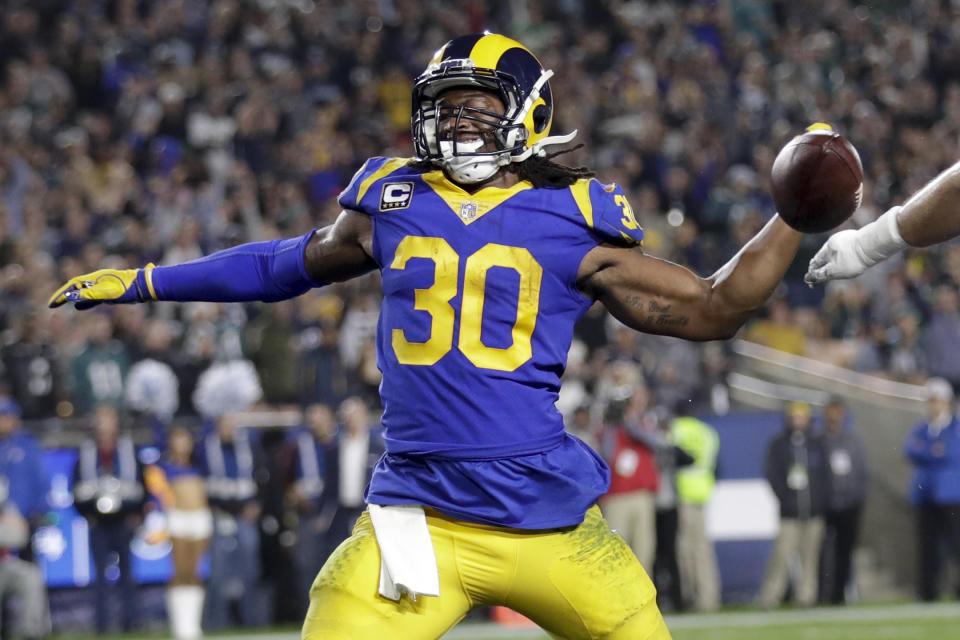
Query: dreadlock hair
{"x":540,"y":171}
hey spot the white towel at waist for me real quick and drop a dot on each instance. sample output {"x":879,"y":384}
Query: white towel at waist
{"x":407,"y":561}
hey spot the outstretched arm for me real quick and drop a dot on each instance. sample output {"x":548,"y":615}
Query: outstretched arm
{"x":341,"y":251}
{"x":656,"y":296}
{"x":930,"y":216}
{"x":268,"y":271}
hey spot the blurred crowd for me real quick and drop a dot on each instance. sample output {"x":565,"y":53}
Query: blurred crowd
{"x":136,"y":131}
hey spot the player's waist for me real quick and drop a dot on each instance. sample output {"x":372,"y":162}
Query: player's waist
{"x":442,"y":520}
{"x":472,"y":451}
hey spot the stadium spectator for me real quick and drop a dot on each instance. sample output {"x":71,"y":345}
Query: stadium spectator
{"x":19,"y":578}
{"x":907,"y":360}
{"x":312,"y":463}
{"x":676,"y":368}
{"x":700,"y":577}
{"x":777,"y":331}
{"x":108,"y":491}
{"x":324,"y":377}
{"x":796,"y":469}
{"x":98,"y":371}
{"x":360,"y":445}
{"x":933,"y":448}
{"x":152,"y":385}
{"x":714,"y":393}
{"x":582,"y":426}
{"x":943,"y":335}
{"x":229,"y":459}
{"x":573,"y":391}
{"x":358,"y":329}
{"x":847,"y":482}
{"x":628,"y":442}
{"x":33,"y":366}
{"x":22,"y":464}
{"x":844,"y":312}
{"x":666,"y":569}
{"x":272,"y":337}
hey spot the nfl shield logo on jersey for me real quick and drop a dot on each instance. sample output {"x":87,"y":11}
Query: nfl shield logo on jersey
{"x":468,"y":211}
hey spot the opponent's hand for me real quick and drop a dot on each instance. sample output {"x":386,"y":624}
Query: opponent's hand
{"x":113,"y":286}
{"x":848,"y":253}
{"x":839,"y":257}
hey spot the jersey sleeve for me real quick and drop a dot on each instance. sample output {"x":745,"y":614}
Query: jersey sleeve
{"x":607,"y":212}
{"x":359,"y":196}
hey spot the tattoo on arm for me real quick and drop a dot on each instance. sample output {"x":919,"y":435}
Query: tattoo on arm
{"x":652,"y":314}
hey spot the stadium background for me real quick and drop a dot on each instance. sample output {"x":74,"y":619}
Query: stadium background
{"x":136,"y":131}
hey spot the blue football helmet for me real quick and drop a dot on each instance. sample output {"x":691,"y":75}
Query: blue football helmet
{"x":499,"y":64}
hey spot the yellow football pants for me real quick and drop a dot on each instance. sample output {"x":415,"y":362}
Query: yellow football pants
{"x":580,"y":582}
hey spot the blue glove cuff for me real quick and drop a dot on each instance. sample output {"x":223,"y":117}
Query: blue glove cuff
{"x":143,"y":286}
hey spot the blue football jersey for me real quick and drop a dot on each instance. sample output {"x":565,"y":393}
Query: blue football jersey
{"x":479,"y":305}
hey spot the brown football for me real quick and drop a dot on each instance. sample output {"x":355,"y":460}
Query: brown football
{"x":817,"y":180}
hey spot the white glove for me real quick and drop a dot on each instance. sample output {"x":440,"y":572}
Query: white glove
{"x":848,"y":253}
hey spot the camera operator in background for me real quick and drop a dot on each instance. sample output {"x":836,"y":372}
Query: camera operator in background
{"x":108,"y":491}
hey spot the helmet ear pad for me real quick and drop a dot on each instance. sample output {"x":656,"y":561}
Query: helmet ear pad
{"x":541,"y":118}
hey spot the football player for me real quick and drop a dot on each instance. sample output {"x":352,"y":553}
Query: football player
{"x":489,"y":253}
{"x":928,"y":217}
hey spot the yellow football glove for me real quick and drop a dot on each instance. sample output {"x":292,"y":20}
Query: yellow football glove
{"x":113,"y":286}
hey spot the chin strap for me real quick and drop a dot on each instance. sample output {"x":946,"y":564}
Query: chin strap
{"x":538,"y":149}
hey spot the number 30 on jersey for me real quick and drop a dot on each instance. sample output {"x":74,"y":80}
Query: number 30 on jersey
{"x":435,"y":300}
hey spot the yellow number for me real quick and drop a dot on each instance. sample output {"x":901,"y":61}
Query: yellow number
{"x":528,"y":304}
{"x":435,"y":300}
{"x":628,"y":220}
